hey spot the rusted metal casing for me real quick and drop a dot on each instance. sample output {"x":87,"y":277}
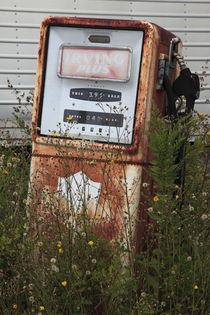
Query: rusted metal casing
{"x":104,"y":180}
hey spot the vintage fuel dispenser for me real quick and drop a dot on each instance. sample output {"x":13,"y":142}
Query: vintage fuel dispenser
{"x":97,"y":81}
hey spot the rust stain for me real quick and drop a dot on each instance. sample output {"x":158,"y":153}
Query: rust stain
{"x":117,"y":168}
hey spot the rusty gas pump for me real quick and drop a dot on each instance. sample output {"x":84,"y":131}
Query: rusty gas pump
{"x":95,"y":86}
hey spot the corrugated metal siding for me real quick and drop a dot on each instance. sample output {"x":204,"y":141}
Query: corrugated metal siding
{"x":19,"y":36}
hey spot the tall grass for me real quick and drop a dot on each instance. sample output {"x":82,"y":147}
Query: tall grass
{"x":76,"y":271}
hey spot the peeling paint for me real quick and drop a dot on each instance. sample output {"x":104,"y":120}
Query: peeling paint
{"x":112,"y":174}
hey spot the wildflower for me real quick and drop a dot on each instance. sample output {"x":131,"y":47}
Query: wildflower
{"x":5,"y":172}
{"x":59,"y":244}
{"x":208,"y":133}
{"x":53,"y":260}
{"x":155,"y":198}
{"x":150,"y":209}
{"x":204,"y":193}
{"x":14,"y":306}
{"x":87,"y":272}
{"x":31,"y":299}
{"x":64,"y":283}
{"x":9,"y":164}
{"x":90,"y":243}
{"x":94,"y":261}
{"x":30,"y":286}
{"x":145,"y":185}
{"x":88,"y":196}
{"x":54,"y":268}
{"x":60,"y":250}
{"x":177,"y":187}
{"x":41,"y":308}
{"x":193,"y":196}
{"x":143,"y":294}
{"x":200,"y":114}
{"x":15,"y":193}
{"x":27,"y":203}
{"x":177,"y":197}
{"x":189,"y":258}
{"x":204,"y":217}
{"x":40,"y":244}
{"x":195,"y":287}
{"x":191,"y":208}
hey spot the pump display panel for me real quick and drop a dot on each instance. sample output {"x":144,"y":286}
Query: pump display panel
{"x":90,"y":88}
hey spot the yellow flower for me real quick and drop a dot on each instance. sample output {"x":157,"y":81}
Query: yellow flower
{"x":14,"y":306}
{"x":64,"y":283}
{"x":60,"y":250}
{"x":200,"y":114}
{"x":41,"y":308}
{"x":27,"y":203}
{"x":59,"y":244}
{"x":69,"y":117}
{"x":90,"y":243}
{"x":155,"y":198}
{"x":195,"y":287}
{"x":177,"y":196}
{"x":208,"y":133}
{"x":109,"y":154}
{"x":5,"y":172}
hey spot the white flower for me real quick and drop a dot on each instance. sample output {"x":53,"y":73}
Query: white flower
{"x":145,"y":185}
{"x":143,"y":294}
{"x":204,"y":193}
{"x":189,"y":258}
{"x":204,"y":217}
{"x":31,"y":299}
{"x":54,"y":268}
{"x":94,"y":261}
{"x":191,"y":208}
{"x":87,"y":272}
{"x":150,"y":209}
{"x":53,"y":260}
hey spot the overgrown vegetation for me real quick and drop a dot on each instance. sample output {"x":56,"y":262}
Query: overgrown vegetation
{"x":79,"y":272}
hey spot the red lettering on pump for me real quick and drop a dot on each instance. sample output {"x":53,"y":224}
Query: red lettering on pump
{"x":95,"y":63}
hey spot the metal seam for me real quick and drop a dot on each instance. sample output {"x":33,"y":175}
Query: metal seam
{"x":90,"y":159}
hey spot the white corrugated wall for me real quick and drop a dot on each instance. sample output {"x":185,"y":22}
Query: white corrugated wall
{"x":19,"y":36}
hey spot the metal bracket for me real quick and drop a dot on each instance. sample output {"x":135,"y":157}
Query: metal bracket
{"x":173,"y":48}
{"x":162,"y":69}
